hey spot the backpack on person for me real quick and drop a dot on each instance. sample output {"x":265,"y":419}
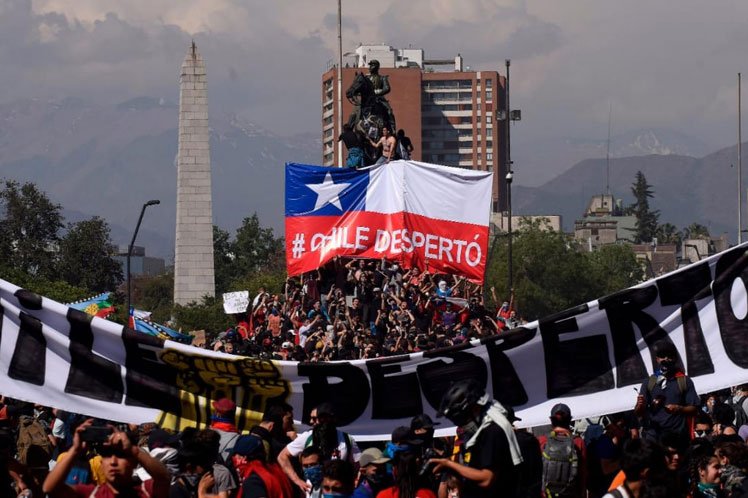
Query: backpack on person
{"x":741,"y":418}
{"x":594,"y":430}
{"x":560,"y":466}
{"x":34,"y":447}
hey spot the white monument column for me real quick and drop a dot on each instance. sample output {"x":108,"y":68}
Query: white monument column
{"x":193,"y":251}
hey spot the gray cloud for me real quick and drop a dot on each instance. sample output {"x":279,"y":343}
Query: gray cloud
{"x":659,"y":65}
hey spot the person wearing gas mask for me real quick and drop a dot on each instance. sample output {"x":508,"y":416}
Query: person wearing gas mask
{"x":667,"y":398}
{"x":491,"y":451}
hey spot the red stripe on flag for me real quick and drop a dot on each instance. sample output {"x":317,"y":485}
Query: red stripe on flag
{"x":411,"y":239}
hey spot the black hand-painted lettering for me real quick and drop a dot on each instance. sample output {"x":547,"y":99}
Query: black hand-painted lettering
{"x":28,"y":299}
{"x":150,"y":382}
{"x":732,"y":265}
{"x":91,"y":375}
{"x":624,"y":310}
{"x":349,"y":397}
{"x":436,"y":376}
{"x":507,"y":386}
{"x":684,"y":288}
{"x":393,"y":396}
{"x":574,"y":366}
{"x":29,"y":362}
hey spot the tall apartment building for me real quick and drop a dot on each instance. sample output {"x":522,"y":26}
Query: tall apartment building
{"x":448,"y":112}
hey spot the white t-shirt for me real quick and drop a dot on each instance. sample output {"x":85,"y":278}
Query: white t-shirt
{"x":304,"y":333}
{"x":622,"y":489}
{"x":296,"y":446}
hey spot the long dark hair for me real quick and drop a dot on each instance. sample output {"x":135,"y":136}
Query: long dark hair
{"x":406,"y":474}
{"x":325,"y":437}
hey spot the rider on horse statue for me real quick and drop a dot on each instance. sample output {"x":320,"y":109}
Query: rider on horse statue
{"x":381,"y":86}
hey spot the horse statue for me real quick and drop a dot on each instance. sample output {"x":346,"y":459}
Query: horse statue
{"x":370,"y":114}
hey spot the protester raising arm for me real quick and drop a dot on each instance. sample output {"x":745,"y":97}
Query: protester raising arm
{"x":120,"y":455}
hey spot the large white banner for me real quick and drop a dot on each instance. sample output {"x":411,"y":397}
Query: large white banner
{"x":590,"y":357}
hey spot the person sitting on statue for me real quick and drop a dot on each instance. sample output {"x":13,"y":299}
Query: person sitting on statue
{"x":381,"y":86}
{"x":404,"y":145}
{"x":355,"y":157}
{"x":387,"y":142}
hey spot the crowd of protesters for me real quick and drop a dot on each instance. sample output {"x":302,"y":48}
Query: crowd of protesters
{"x":50,"y":452}
{"x":364,"y":308}
{"x":673,"y":442}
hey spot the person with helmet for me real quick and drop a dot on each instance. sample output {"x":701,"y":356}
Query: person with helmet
{"x":491,"y":450}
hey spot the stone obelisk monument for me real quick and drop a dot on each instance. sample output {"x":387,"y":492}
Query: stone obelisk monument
{"x":193,"y":251}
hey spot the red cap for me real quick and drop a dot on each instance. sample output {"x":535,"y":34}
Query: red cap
{"x":224,"y":405}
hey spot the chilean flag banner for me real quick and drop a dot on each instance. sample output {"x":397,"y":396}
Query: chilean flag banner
{"x":421,"y":215}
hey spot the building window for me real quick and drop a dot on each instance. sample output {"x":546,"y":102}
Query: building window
{"x":489,"y":156}
{"x":488,"y":83}
{"x":327,"y":120}
{"x":489,"y":95}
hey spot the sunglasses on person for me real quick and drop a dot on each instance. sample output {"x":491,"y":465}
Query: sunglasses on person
{"x":703,"y":433}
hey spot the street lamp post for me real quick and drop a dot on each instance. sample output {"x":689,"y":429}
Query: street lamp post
{"x":129,"y":254}
{"x":509,"y":115}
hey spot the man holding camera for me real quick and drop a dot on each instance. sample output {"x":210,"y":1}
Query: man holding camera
{"x":668,"y":397}
{"x":119,"y":459}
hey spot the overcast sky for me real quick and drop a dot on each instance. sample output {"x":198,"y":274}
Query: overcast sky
{"x":667,"y":64}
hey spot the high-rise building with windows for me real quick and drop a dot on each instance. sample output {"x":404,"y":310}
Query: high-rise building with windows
{"x":448,"y":111}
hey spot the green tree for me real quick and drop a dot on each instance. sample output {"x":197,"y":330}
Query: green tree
{"x":612,"y":268}
{"x":667,"y":233}
{"x":156,"y":294}
{"x":256,"y":248}
{"x":29,"y":229}
{"x":223,"y":260}
{"x":207,"y":315}
{"x":553,"y":272}
{"x":646,"y":218}
{"x":85,"y":256}
{"x":56,"y":290}
{"x":549,"y":272}
{"x":697,"y":231}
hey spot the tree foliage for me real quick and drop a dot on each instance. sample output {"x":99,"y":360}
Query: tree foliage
{"x":697,"y":231}
{"x":552,"y":272}
{"x":156,"y":294}
{"x":207,"y":315}
{"x":223,"y":259}
{"x":53,"y":289}
{"x":29,"y":229}
{"x":254,"y":250}
{"x":646,"y":218}
{"x":85,"y":256}
{"x":667,"y":233}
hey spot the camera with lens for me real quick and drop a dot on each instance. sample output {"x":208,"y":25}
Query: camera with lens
{"x":428,"y":454}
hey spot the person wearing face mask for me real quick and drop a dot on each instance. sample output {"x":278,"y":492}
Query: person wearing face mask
{"x":311,"y":466}
{"x":667,"y":398}
{"x":491,"y":451}
{"x":337,"y":479}
{"x":373,"y":474}
{"x":333,"y":443}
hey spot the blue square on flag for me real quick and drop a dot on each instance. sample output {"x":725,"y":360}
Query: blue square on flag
{"x":321,"y":191}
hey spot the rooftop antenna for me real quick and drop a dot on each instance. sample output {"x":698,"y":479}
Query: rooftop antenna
{"x":607,"y":152}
